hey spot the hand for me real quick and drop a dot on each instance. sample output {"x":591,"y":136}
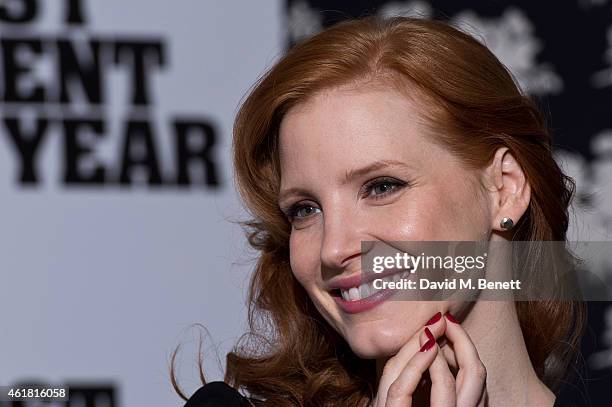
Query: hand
{"x":469,"y":384}
{"x":403,"y":372}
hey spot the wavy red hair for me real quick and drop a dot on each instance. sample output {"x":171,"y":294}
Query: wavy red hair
{"x":469,"y":100}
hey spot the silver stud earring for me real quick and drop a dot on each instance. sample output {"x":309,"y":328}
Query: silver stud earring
{"x":506,"y":223}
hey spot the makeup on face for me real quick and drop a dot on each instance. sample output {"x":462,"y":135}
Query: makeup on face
{"x":357,"y":165}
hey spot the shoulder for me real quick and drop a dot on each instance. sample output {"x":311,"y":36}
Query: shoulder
{"x":215,"y":394}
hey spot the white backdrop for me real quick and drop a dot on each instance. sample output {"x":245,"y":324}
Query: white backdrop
{"x":100,"y":282}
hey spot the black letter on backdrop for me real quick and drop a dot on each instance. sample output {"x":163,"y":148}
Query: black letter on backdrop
{"x":74,"y":12}
{"x":185,"y":152}
{"x":26,"y":11}
{"x":139,"y":142}
{"x":27,"y":146}
{"x":86,"y":73}
{"x":14,"y":72}
{"x":91,"y":395}
{"x":75,"y":150}
{"x":143,"y":55}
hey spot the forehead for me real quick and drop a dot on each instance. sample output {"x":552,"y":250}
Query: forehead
{"x":347,"y":126}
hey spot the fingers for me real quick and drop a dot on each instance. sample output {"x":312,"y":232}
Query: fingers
{"x":443,"y":393}
{"x":395,"y":365}
{"x":471,"y":377}
{"x":466,"y":390}
{"x":401,"y":390}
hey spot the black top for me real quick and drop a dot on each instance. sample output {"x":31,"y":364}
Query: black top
{"x":217,"y":394}
{"x":220,"y":394}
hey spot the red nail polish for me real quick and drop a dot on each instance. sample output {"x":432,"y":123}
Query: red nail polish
{"x":429,"y":334}
{"x":451,"y":318}
{"x":434,"y":319}
{"x":428,"y":345}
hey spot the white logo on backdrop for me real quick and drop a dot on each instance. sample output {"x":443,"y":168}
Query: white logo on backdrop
{"x":603,"y":358}
{"x":511,"y":38}
{"x":420,"y":9}
{"x":593,"y":199}
{"x":303,"y":21}
{"x":591,"y":212}
{"x":592,"y":3}
{"x":601,"y":145}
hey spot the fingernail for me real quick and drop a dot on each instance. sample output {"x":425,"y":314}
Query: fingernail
{"x":434,"y":319}
{"x":451,"y":318}
{"x":429,"y":334}
{"x":428,"y":345}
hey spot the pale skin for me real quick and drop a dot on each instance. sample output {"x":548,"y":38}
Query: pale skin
{"x":428,"y":194}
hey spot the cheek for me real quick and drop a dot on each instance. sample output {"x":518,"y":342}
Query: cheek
{"x":418,"y":216}
{"x":463,"y":215}
{"x":303,"y":258}
{"x":441,"y":212}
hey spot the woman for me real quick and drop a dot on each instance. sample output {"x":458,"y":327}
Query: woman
{"x":392,"y":130}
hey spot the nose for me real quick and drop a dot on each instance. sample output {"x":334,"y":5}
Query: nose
{"x":342,"y":236}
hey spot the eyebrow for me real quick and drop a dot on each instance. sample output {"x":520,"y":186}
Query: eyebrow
{"x":349,"y":176}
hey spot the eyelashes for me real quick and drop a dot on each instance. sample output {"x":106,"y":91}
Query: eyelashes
{"x":392,"y":185}
{"x":372,"y":185}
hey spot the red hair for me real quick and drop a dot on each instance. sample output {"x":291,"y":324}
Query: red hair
{"x":291,"y":356}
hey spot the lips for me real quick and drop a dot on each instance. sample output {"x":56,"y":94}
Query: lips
{"x":345,"y":283}
{"x":357,"y":293}
{"x":354,"y":307}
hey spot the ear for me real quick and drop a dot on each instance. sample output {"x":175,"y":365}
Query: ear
{"x":508,"y":188}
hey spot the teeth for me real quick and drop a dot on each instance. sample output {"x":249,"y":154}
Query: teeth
{"x":364,"y":290}
{"x":367,"y":289}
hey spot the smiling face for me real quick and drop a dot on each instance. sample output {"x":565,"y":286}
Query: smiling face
{"x":413,"y":190}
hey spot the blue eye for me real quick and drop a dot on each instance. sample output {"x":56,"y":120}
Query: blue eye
{"x":386,"y":186}
{"x":300,"y":211}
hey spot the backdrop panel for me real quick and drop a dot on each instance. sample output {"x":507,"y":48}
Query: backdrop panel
{"x":116,"y":190}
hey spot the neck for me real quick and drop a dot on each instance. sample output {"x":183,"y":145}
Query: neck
{"x":494,"y":328}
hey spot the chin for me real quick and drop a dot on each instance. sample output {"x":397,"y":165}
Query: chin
{"x":371,"y":343}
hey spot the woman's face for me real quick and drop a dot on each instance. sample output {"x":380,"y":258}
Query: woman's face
{"x":416,"y":191}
